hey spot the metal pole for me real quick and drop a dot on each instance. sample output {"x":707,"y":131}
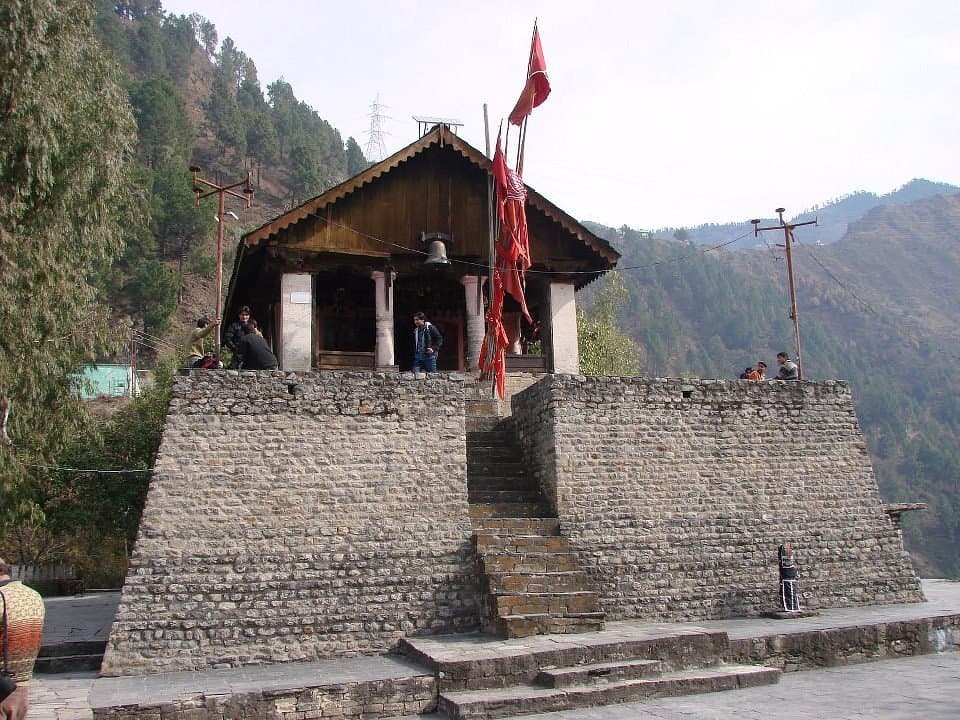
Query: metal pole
{"x":219,"y":266}
{"x":221,"y":191}
{"x":490,"y":229}
{"x":788,"y":236}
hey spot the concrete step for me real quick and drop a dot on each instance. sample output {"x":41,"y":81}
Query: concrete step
{"x":537,"y":582}
{"x":525,"y":625}
{"x":518,"y":525}
{"x":549,"y":603}
{"x":508,"y":510}
{"x":599,"y":673}
{"x":536,"y":562}
{"x":526,"y":699}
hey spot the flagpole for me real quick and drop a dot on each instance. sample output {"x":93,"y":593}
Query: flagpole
{"x":490,"y":233}
{"x":523,"y":128}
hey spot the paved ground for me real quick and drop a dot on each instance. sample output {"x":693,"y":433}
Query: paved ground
{"x":920,"y":687}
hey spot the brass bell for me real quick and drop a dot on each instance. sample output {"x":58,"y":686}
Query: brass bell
{"x":436,"y":254}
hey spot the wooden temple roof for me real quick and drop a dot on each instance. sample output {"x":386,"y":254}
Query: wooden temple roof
{"x":439,"y":136}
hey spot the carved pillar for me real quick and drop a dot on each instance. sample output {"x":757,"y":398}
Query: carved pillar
{"x":472,"y":291}
{"x":296,"y":321}
{"x":383,"y":294}
{"x":564,"y":353}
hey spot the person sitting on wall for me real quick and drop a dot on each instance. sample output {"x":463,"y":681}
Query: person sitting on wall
{"x":21,"y":629}
{"x":426,"y":342}
{"x":788,"y":368}
{"x":758,"y":373}
{"x":197,"y":352}
{"x":745,"y":375}
{"x":253,"y":353}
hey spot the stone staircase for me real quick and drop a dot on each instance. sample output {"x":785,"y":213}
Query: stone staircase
{"x":531,"y":578}
{"x":549,"y":674}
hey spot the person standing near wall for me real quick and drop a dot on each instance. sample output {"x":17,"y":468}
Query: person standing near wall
{"x":788,"y":368}
{"x":196,"y":350}
{"x":426,"y":343}
{"x":22,"y":628}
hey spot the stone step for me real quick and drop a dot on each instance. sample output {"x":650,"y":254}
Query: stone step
{"x":509,"y":510}
{"x":518,"y":525}
{"x":487,"y":465}
{"x":68,"y":663}
{"x":520,"y":626}
{"x":492,"y":439}
{"x":488,"y":542}
{"x":549,"y":603}
{"x":494,"y":450}
{"x":599,"y":673}
{"x":536,"y":582}
{"x":502,"y":497}
{"x":526,"y":699}
{"x":530,"y":562}
{"x":507,"y":664}
{"x":488,"y":482}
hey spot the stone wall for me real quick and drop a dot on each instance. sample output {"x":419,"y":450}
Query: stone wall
{"x":677,"y":493}
{"x":292,"y":518}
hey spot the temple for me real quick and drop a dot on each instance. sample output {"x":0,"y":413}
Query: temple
{"x":334,"y":282}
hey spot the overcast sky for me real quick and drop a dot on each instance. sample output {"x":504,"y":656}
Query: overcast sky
{"x":662,"y":114}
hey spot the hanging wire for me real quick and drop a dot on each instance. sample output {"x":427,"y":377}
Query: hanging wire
{"x":485,"y":266}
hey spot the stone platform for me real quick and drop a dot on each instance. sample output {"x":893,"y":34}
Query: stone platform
{"x":386,"y":686}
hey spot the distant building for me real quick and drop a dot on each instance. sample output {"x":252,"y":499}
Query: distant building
{"x":108,"y":380}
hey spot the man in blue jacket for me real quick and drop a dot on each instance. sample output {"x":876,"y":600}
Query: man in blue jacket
{"x":426,"y":343}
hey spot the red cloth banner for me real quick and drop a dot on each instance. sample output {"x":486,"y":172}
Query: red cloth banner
{"x":512,"y":249}
{"x":537,"y":87}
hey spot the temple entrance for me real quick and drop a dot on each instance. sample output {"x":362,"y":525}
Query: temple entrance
{"x":440,"y":298}
{"x":345,"y":321}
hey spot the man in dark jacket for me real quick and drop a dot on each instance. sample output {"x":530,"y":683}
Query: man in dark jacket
{"x":253,"y":353}
{"x":233,"y":334}
{"x":426,"y":343}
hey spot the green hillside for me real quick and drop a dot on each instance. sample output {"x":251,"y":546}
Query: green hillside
{"x":874,"y":309}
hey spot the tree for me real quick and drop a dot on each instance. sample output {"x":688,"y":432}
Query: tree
{"x":356,"y":162}
{"x":604,"y":348}
{"x":222,"y":110}
{"x":67,"y":134}
{"x":162,"y":120}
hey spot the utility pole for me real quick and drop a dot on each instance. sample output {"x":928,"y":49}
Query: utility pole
{"x":221,"y":191}
{"x":787,"y":239}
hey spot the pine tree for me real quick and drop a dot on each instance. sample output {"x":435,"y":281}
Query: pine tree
{"x":64,"y":142}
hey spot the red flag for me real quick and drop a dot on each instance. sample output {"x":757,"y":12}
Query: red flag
{"x":537,"y":87}
{"x":513,"y":245}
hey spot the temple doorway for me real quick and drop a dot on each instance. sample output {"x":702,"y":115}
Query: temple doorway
{"x":440,"y":298}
